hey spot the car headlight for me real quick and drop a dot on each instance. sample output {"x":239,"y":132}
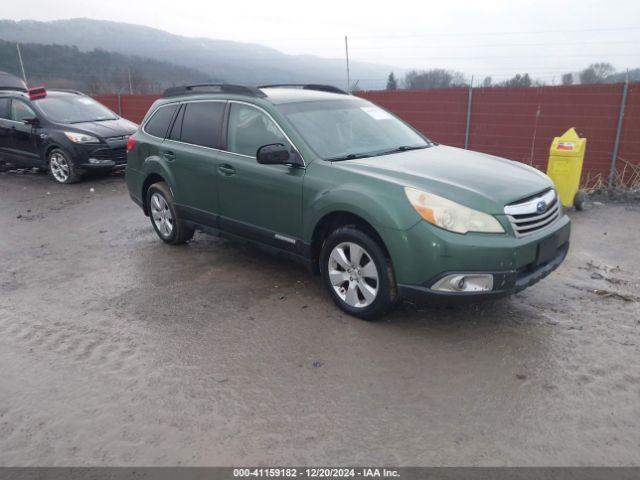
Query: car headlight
{"x":76,"y":137}
{"x":450,"y":215}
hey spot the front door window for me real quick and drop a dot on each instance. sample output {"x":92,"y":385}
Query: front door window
{"x":250,"y":129}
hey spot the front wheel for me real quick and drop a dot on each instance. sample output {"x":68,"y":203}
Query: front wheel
{"x":163,"y":215}
{"x":357,"y":273}
{"x":61,"y":167}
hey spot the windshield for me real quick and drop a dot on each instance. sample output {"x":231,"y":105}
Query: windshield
{"x":74,"y":109}
{"x":350,"y":128}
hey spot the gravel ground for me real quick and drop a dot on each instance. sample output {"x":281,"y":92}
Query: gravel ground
{"x":118,"y":350}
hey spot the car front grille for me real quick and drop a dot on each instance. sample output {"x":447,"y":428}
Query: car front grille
{"x":534,"y":213}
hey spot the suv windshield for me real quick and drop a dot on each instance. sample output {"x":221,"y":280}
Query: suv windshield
{"x":74,"y":109}
{"x":350,"y":128}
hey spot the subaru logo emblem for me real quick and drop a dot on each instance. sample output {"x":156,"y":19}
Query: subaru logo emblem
{"x":541,"y":207}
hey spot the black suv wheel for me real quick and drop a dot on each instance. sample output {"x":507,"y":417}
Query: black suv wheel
{"x":61,"y":167}
{"x":357,"y":273}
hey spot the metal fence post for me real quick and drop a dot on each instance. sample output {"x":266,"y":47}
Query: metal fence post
{"x":616,"y":145}
{"x":468,"y":129}
{"x":119,"y":104}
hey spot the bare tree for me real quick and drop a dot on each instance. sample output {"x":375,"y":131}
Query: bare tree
{"x":435,"y":78}
{"x":518,"y":81}
{"x":596,"y":73}
{"x":567,"y":78}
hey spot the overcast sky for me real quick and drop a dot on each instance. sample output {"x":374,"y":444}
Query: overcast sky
{"x":490,"y":37}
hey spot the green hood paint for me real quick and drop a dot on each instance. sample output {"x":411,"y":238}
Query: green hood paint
{"x":473,"y":179}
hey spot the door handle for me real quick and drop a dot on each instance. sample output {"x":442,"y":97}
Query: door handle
{"x":226,"y":169}
{"x":169,"y":155}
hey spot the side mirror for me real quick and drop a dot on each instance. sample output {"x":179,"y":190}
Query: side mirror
{"x":33,"y":121}
{"x":276,"y":154}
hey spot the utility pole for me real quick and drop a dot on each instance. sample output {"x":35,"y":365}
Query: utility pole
{"x":346,"y":49}
{"x":616,"y":144}
{"x":130,"y":84}
{"x":468,"y":129}
{"x":24,"y":75}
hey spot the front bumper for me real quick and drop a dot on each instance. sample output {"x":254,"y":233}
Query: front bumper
{"x":110,"y":156}
{"x":505,"y":283}
{"x":425,"y":254}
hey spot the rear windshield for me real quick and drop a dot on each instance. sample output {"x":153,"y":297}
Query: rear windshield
{"x":74,"y":109}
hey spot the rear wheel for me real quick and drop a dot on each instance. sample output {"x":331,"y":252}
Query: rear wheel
{"x":163,"y":215}
{"x":61,"y":168}
{"x":357,"y":273}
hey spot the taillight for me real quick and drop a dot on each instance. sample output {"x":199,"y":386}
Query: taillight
{"x":131,"y":143}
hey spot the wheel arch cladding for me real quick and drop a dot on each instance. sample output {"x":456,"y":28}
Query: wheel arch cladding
{"x":51,"y":148}
{"x":148,"y":181}
{"x":379,"y":205}
{"x":336,"y":219}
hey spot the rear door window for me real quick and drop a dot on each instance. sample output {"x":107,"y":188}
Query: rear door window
{"x":202,"y":124}
{"x":176,"y":129}
{"x":158,"y":124}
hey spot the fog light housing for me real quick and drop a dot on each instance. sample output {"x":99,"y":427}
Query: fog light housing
{"x":464,"y":282}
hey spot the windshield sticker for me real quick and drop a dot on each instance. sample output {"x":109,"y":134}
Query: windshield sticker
{"x":376,"y":113}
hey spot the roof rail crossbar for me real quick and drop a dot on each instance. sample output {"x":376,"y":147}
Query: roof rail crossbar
{"x":212,"y":88}
{"x":307,"y":86}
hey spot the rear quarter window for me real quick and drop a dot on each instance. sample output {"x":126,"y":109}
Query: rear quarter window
{"x":159,"y":122}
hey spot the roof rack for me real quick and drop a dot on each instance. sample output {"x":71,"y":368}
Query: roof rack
{"x":4,"y":89}
{"x":212,"y":88}
{"x":308,"y":86}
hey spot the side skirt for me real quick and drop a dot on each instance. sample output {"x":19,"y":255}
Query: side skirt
{"x":266,"y":240}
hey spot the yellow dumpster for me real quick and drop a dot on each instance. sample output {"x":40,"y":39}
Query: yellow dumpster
{"x":565,"y":167}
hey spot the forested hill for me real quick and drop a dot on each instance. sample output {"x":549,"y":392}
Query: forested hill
{"x":95,"y":71}
{"x":235,"y":62}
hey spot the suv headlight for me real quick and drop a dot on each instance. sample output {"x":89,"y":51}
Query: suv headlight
{"x":81,"y":137}
{"x":450,"y":215}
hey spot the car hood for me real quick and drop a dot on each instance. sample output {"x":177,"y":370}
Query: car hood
{"x":474,"y":179}
{"x":108,"y":128}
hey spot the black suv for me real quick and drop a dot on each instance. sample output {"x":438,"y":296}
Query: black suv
{"x":63,"y":131}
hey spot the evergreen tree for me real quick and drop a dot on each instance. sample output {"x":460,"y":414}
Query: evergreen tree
{"x":392,"y":83}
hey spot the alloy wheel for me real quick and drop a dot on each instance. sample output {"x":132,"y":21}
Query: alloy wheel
{"x":161,"y":214}
{"x":353,"y":275}
{"x":59,"y":167}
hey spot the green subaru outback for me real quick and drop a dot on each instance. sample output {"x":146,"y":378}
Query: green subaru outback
{"x":334,"y":181}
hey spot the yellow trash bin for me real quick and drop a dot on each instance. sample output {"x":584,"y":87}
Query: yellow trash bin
{"x":565,"y":167}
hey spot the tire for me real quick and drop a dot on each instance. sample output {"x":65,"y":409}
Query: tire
{"x":579,"y":199}
{"x":351,"y":285}
{"x":163,"y":215}
{"x":61,"y":167}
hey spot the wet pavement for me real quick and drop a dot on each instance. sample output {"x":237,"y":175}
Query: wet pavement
{"x":116,"y":349}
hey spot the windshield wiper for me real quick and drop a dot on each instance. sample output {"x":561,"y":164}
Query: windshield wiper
{"x":350,"y":156}
{"x":94,"y":120}
{"x":402,"y":148}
